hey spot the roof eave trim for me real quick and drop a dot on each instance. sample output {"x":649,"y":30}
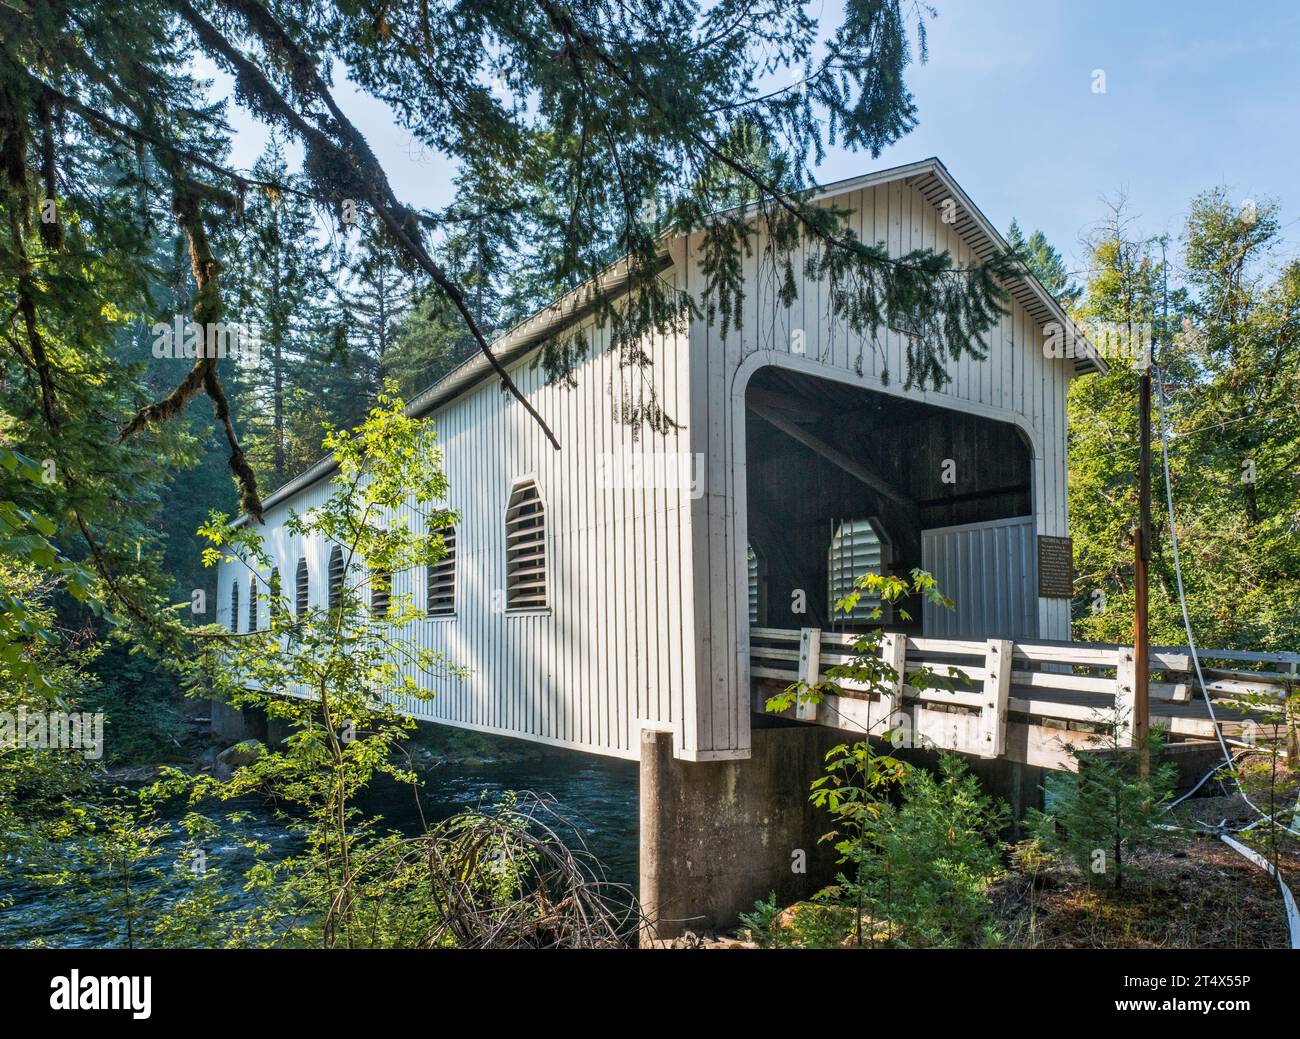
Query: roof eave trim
{"x":522,"y":339}
{"x":1091,"y":360}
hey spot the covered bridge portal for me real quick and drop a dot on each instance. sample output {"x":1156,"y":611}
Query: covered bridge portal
{"x":657,"y":619}
{"x":844,"y":480}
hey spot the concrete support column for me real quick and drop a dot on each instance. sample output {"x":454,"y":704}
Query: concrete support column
{"x":228,"y":723}
{"x":234,"y":724}
{"x":717,"y":836}
{"x":1019,"y":785}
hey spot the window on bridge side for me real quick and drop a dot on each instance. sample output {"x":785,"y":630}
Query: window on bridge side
{"x":857,"y":548}
{"x":527,"y":586}
{"x":381,"y":591}
{"x":301,"y":590}
{"x":754,"y":567}
{"x":234,"y":606}
{"x":336,"y":578}
{"x":440,"y":578}
{"x":275,"y":594}
{"x":253,"y":604}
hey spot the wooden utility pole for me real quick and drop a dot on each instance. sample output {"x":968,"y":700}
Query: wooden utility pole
{"x":1141,"y":721}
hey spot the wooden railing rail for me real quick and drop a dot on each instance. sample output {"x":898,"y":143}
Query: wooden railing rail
{"x":1045,"y":684}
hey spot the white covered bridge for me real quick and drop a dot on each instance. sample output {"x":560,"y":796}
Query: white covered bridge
{"x":644,"y":618}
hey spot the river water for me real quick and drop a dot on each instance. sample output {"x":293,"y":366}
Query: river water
{"x":597,"y":796}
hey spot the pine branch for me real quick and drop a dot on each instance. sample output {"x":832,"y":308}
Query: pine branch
{"x":346,"y":155}
{"x":203,"y":377}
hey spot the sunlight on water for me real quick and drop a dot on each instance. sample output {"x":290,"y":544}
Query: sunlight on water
{"x":597,"y":795}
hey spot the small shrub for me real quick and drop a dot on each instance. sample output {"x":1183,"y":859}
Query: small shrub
{"x":761,"y":923}
{"x":1105,"y":812}
{"x":938,"y":856}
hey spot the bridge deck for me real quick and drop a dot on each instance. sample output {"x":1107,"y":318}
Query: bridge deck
{"x":1026,"y":701}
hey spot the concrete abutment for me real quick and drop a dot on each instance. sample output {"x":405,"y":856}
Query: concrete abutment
{"x":718,"y":835}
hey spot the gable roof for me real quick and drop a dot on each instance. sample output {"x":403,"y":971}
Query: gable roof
{"x":932,"y":179}
{"x":929,"y":176}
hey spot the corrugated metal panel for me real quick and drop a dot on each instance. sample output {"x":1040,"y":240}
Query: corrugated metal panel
{"x":989,"y":571}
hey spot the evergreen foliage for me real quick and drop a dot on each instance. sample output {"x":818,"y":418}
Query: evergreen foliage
{"x":1229,"y":377}
{"x":1107,"y":810}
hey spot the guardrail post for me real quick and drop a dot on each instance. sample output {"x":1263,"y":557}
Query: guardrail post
{"x":893,"y":654}
{"x":1292,"y":721}
{"x":1125,"y":696}
{"x":810,"y":650}
{"x":997,"y":689}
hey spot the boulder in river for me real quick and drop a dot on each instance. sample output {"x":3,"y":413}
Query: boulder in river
{"x":241,"y":754}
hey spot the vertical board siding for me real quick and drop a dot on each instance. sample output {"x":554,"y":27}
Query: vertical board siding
{"x":614,"y":650}
{"x":648,"y":621}
{"x":1013,"y":383}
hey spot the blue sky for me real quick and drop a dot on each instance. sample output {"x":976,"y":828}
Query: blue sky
{"x":1197,"y":93}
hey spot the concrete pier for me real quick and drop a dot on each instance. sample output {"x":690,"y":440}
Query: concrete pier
{"x":717,"y":836}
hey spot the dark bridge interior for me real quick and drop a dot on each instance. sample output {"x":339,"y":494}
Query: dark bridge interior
{"x":820,"y":453}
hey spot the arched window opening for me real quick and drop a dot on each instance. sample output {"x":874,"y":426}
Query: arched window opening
{"x":754,"y":567}
{"x":336,"y":578}
{"x":301,"y":590}
{"x":381,"y":592}
{"x":440,"y":578}
{"x":527,"y":586}
{"x":857,"y":548}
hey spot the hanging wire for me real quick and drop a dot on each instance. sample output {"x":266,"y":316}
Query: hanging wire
{"x":1187,"y":623}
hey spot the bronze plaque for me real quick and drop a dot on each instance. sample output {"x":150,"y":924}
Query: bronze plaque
{"x":1055,"y":567}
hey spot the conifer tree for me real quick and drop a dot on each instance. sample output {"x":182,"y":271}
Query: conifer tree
{"x":1106,"y":811}
{"x":281,"y":288}
{"x":1046,"y":264}
{"x":374,"y":295}
{"x":615,"y":110}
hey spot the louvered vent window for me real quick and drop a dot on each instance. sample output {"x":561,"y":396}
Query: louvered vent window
{"x":526,"y":587}
{"x":300,"y":590}
{"x":751,"y":562}
{"x":856,"y":549}
{"x":381,"y":593}
{"x":252,"y":604}
{"x":234,"y":606}
{"x":275,"y":595}
{"x":336,"y":578}
{"x":441,"y":578}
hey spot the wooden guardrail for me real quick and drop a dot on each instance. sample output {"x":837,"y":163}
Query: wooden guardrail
{"x":1026,"y":700}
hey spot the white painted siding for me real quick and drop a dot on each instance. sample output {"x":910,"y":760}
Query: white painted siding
{"x":612,"y":653}
{"x":1014,"y":383}
{"x":649,"y":619}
